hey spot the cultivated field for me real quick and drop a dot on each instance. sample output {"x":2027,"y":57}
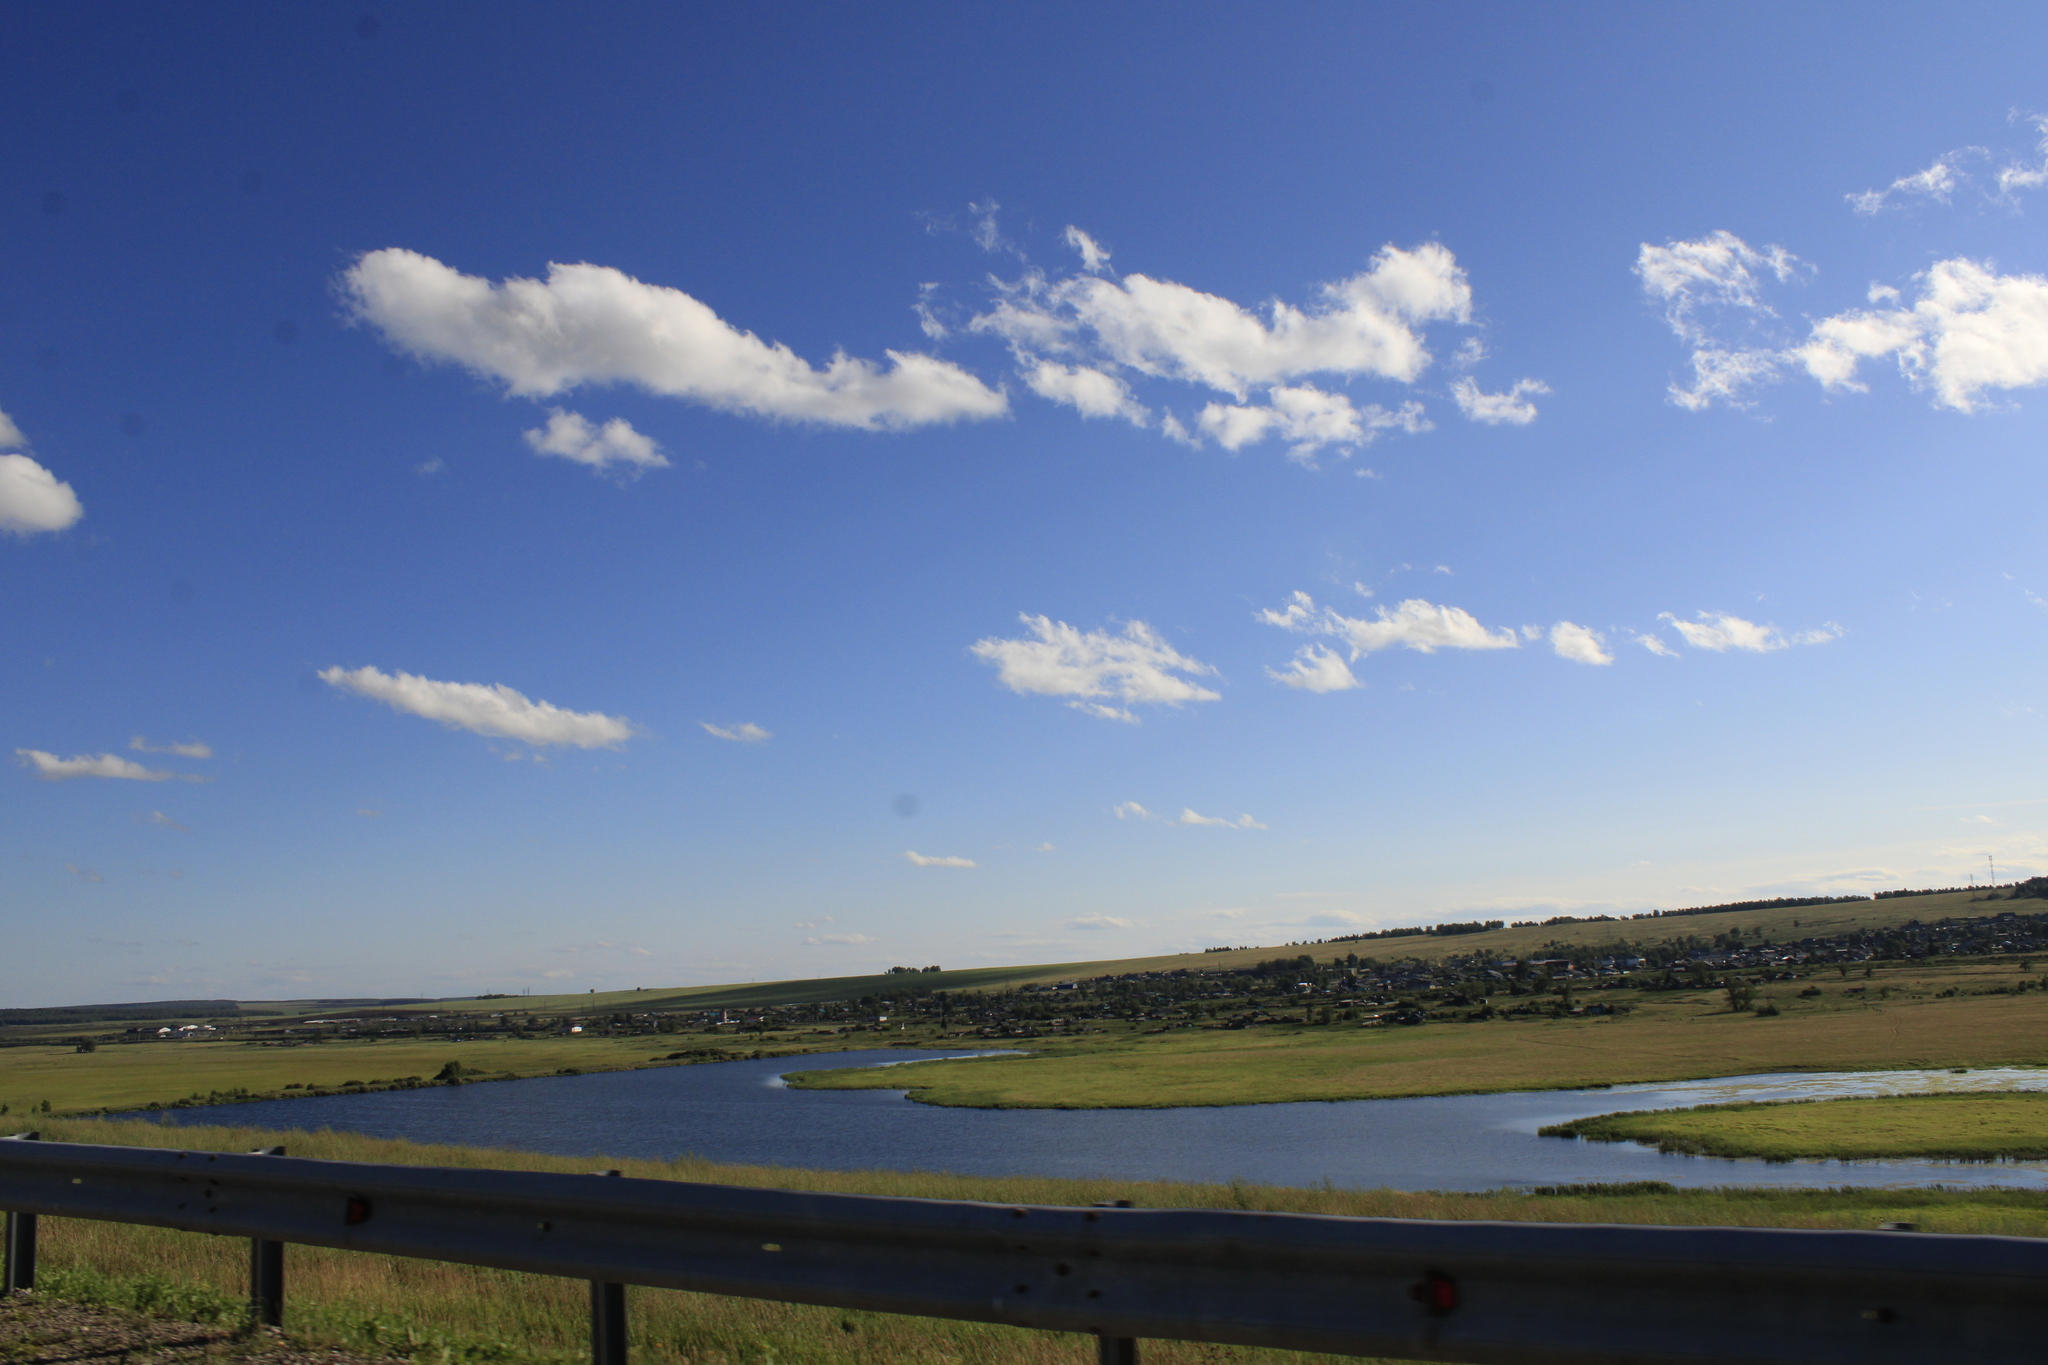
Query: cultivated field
{"x":454,"y":1315}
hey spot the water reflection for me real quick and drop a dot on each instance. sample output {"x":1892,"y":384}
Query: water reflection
{"x":740,"y":1112}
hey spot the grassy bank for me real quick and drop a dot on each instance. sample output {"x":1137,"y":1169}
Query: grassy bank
{"x":1957,"y":1127}
{"x":451,"y":1314}
{"x":165,"y":1074}
{"x":1916,"y":1015}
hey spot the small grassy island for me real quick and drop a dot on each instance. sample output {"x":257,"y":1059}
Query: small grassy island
{"x":1959,"y":1127}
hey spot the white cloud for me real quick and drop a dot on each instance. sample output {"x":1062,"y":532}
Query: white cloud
{"x":821,"y":939}
{"x":483,"y":708}
{"x":1937,"y":182}
{"x":1656,"y":646}
{"x":10,"y":434}
{"x":158,"y":818}
{"x":2019,"y":176}
{"x":921,"y":860}
{"x":1131,"y":810}
{"x":1316,"y":669}
{"x":1094,"y":256}
{"x":1698,"y":283}
{"x":1721,"y":632}
{"x":746,"y":732}
{"x":1100,"y":922}
{"x":51,"y":768}
{"x":1971,"y":329}
{"x":1089,"y":392}
{"x":1361,"y":326}
{"x":1188,"y":817}
{"x":1308,"y":419}
{"x":192,"y":749}
{"x":1718,"y":269}
{"x":1133,"y":668}
{"x":1512,"y":408}
{"x":615,"y":444}
{"x":590,"y":324}
{"x":1419,"y":625}
{"x":1580,"y":644}
{"x":1072,"y":335}
{"x":33,"y":499}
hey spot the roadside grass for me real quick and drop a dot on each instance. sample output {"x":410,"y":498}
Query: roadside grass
{"x":459,"y":1315}
{"x":1962,"y":1127}
{"x":1896,"y":1018}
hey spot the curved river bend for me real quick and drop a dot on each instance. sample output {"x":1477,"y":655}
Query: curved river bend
{"x":742,"y":1112}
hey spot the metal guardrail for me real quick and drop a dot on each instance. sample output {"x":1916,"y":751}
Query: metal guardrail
{"x":1484,"y":1293}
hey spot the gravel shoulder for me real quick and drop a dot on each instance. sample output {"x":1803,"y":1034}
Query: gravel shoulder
{"x":36,"y":1330}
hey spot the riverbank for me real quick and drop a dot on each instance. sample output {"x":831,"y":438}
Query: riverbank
{"x":456,"y":1315}
{"x":1898,"y":1016}
{"x":1995,"y":1127}
{"x":62,"y":1080}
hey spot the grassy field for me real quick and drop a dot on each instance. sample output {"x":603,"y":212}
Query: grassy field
{"x":1961,"y":1127}
{"x":455,"y":1315}
{"x":1898,"y":1017}
{"x":137,"y":1075}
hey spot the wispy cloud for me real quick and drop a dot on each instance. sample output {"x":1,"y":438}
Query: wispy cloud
{"x":1414,"y":624}
{"x":1511,"y":408}
{"x":1096,"y":669}
{"x":746,"y":732}
{"x":483,"y":708}
{"x":1101,"y":922}
{"x":1705,"y":286}
{"x":922,"y":860}
{"x":1188,"y":817}
{"x":1720,"y":632}
{"x":84,"y":874}
{"x":819,"y":940}
{"x":51,"y":768}
{"x":189,"y":749}
{"x":158,"y":818}
{"x":1935,"y":183}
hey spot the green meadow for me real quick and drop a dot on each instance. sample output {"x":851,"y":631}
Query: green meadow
{"x":1961,"y":1127}
{"x":1900,"y":1016}
{"x":458,"y":1315}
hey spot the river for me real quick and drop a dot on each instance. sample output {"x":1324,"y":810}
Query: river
{"x":742,"y":1112}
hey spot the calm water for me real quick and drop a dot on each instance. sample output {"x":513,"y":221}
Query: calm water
{"x":742,"y":1112}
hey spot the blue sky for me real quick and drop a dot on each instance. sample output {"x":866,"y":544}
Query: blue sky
{"x":569,"y":497}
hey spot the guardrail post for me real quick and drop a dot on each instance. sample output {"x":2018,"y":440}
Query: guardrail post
{"x":266,"y":1272}
{"x":1116,"y":1350}
{"x":19,"y":1271}
{"x":607,"y":1318}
